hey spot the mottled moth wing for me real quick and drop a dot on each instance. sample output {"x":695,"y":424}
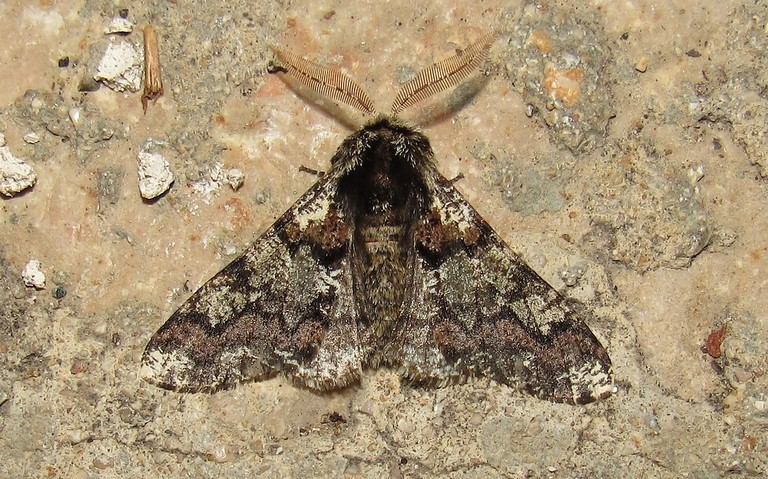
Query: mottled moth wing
{"x":283,"y":306}
{"x":478,"y":309}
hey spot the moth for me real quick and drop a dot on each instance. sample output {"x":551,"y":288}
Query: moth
{"x":153,"y":82}
{"x":381,"y":263}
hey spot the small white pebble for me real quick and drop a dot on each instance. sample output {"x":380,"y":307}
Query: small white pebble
{"x":235,"y":178}
{"x":120,"y":68}
{"x":642,"y":65}
{"x":32,"y":275}
{"x":74,"y":116}
{"x":2,"y":139}
{"x":100,"y":328}
{"x":219,"y":454}
{"x":572,"y":274}
{"x":31,"y":138}
{"x":695,"y":174}
{"x":102,"y":462}
{"x":15,"y":175}
{"x":405,"y":426}
{"x":76,"y":436}
{"x":155,"y":175}
{"x":119,"y":25}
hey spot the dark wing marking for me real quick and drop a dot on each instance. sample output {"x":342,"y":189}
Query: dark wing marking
{"x":285,"y":305}
{"x":478,"y":309}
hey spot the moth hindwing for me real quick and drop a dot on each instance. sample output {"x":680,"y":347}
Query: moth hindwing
{"x":381,"y":263}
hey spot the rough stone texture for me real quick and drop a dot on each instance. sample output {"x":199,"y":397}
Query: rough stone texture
{"x":15,"y":175}
{"x":120,"y":68}
{"x":624,"y":137}
{"x":155,"y":176}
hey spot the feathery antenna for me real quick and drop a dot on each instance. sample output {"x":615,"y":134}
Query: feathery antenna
{"x":325,"y":81}
{"x":444,"y":74}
